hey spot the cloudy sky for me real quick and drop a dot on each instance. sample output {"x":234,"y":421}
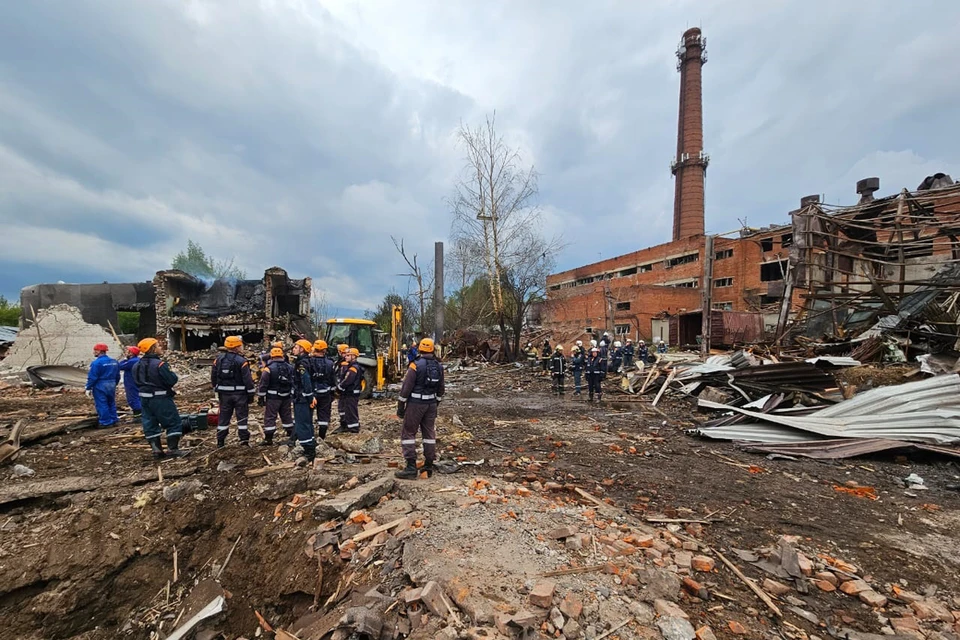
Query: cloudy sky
{"x":303,"y":133}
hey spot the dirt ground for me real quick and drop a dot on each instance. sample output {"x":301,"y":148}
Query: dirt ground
{"x":98,"y":561}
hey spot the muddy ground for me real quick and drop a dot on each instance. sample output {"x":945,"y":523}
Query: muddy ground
{"x":97,"y":562}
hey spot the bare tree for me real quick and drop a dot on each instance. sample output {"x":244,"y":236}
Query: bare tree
{"x":319,"y":310}
{"x":423,"y":283}
{"x":496,"y":219}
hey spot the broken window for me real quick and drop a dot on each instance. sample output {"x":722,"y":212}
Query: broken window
{"x":766,"y":244}
{"x":723,"y":282}
{"x":644,"y":268}
{"x":584,"y":281}
{"x":689,"y":284}
{"x":786,"y":240}
{"x":765,"y":299}
{"x":845,"y":264}
{"x":623,"y":306}
{"x":723,"y":306}
{"x":724,"y":254}
{"x":773,"y":271}
{"x":621,"y":329}
{"x":555,"y":287}
{"x":628,"y":272}
{"x":690,"y":257}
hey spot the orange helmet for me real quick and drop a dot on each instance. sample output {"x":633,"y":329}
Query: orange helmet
{"x":305,"y":345}
{"x":342,"y":348}
{"x":353,"y":352}
{"x":320,"y":345}
{"x":146,"y":345}
{"x":426,"y":346}
{"x":276,"y":352}
{"x":232,"y":342}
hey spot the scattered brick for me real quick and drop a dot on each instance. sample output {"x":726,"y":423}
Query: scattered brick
{"x":571,"y":606}
{"x":931,"y":610}
{"x":683,"y":559}
{"x":872,"y":598}
{"x":432,"y":599}
{"x":776,"y":588}
{"x":736,"y":628}
{"x":542,"y":594}
{"x":705,"y":633}
{"x":854,"y":587}
{"x":561,"y":533}
{"x":823,"y":585}
{"x":705,"y":564}
{"x":667,"y":609}
{"x":828,"y":577}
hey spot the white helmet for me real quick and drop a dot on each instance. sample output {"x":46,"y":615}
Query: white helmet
{"x":642,"y":342}
{"x":579,"y":343}
{"x":617,"y":344}
{"x":593,"y":343}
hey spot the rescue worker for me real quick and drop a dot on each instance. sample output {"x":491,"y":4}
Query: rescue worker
{"x":545,"y":353}
{"x":629,"y":351}
{"x":577,"y":364}
{"x":102,"y":379}
{"x":350,"y":385}
{"x":129,"y":384}
{"x":413,"y":353}
{"x":276,"y":385}
{"x":265,"y":356}
{"x":303,"y":400}
{"x":324,"y":375}
{"x":643,"y":352}
{"x":232,"y":381}
{"x":617,"y":356}
{"x":420,"y":394}
{"x":596,"y":372}
{"x":532,"y":356}
{"x":605,"y":342}
{"x":156,"y":380}
{"x":558,"y":368}
{"x":661,"y":347}
{"x":339,"y":365}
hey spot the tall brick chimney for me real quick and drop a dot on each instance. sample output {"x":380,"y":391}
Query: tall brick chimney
{"x":690,"y":166}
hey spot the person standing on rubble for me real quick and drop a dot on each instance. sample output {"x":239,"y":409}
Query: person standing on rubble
{"x":276,"y":385}
{"x":596,"y":372}
{"x":129,"y":384}
{"x":644,"y":352}
{"x":420,"y":395}
{"x":577,"y":364}
{"x":616,"y":357}
{"x":350,"y":385}
{"x":231,"y":379}
{"x":102,"y":379}
{"x":324,"y":375}
{"x":661,"y":347}
{"x":628,"y":353}
{"x":303,"y":399}
{"x":532,"y":356}
{"x":558,"y":369}
{"x":545,"y":353}
{"x":156,"y":380}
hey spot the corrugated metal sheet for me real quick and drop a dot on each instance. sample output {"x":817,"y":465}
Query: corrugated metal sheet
{"x":8,"y":334}
{"x":924,"y":411}
{"x":847,"y":448}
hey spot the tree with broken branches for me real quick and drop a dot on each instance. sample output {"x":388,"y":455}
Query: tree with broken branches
{"x":423,"y":284}
{"x":495,"y":216}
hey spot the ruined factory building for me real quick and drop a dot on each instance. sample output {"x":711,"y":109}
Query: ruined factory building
{"x":184,"y":312}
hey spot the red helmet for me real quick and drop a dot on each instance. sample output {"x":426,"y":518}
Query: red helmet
{"x":100,"y":347}
{"x":134,"y":351}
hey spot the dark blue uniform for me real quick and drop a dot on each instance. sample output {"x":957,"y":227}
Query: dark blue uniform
{"x":302,"y":413}
{"x":129,"y":384}
{"x":156,"y":380}
{"x":324,"y":375}
{"x":558,"y":369}
{"x":350,"y":386}
{"x":421,"y":392}
{"x":276,"y":387}
{"x":596,"y":372}
{"x":102,"y":380}
{"x":577,"y":364}
{"x":628,"y":353}
{"x":230,"y":377}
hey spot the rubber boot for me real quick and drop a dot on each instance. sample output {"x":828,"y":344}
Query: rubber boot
{"x":173,"y":443}
{"x":267,"y":439}
{"x":310,"y":453}
{"x":290,"y":439}
{"x":157,"y":449}
{"x":409,"y":472}
{"x":428,"y":467}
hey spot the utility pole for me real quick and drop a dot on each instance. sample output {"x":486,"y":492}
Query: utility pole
{"x":707,"y":303}
{"x":438,"y":299}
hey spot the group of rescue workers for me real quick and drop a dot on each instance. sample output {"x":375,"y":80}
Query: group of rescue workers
{"x":603,"y":356}
{"x":289,"y":388}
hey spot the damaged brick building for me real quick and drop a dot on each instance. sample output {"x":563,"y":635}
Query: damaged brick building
{"x":184,"y":312}
{"x":760,"y":280}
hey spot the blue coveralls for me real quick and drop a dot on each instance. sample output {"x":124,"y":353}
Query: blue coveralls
{"x":102,"y":379}
{"x":302,"y":413}
{"x":156,"y":380}
{"x":230,"y":377}
{"x":324,"y":380}
{"x":412,"y":354}
{"x":129,"y":384}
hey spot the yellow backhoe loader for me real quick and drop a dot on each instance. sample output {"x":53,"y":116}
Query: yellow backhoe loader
{"x":380,"y":358}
